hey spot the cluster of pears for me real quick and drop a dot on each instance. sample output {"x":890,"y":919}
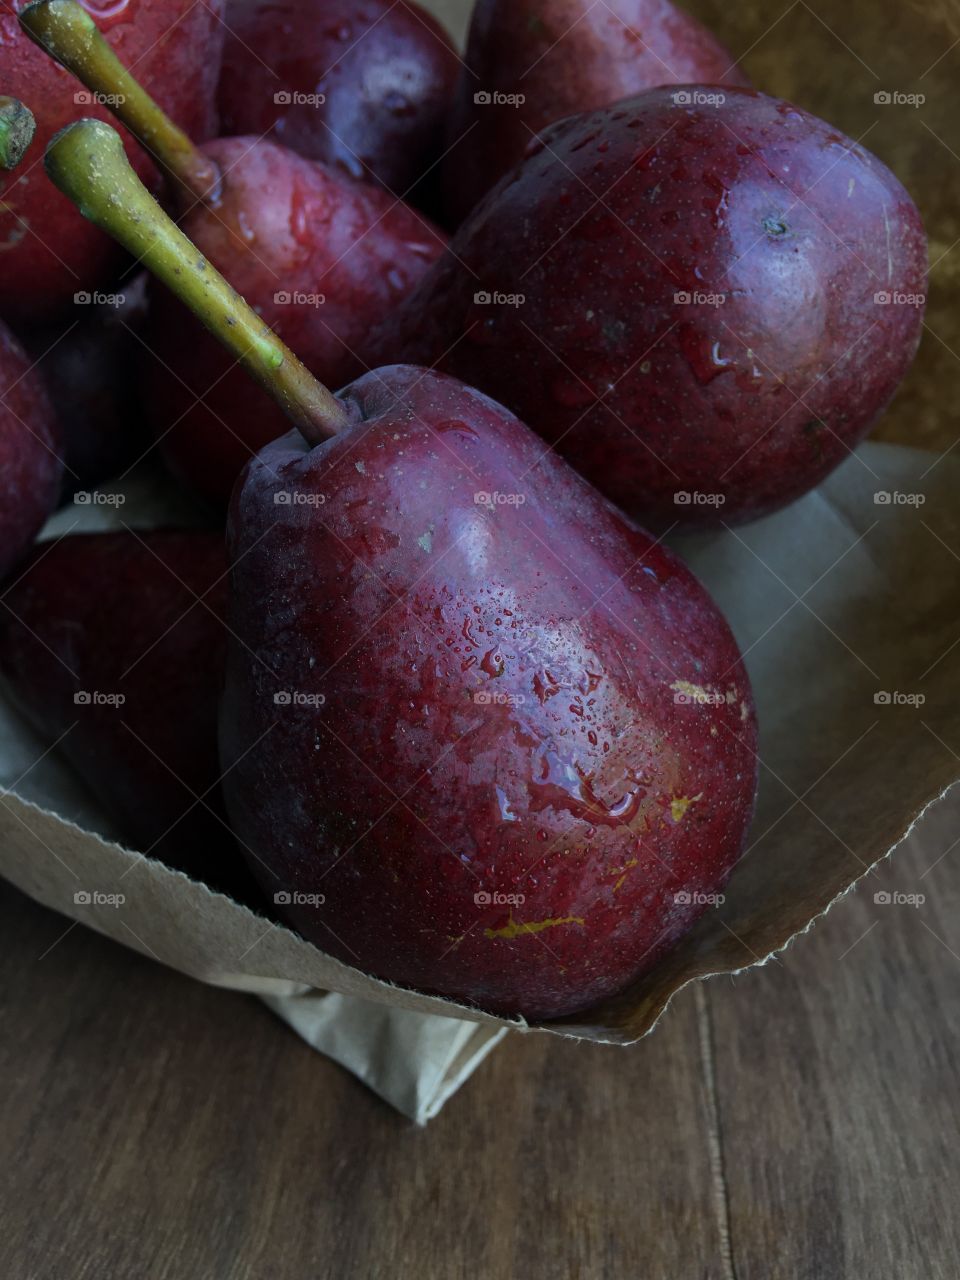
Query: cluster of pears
{"x":479,"y":734}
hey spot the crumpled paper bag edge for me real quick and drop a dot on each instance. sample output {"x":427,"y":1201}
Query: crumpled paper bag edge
{"x":269,"y":988}
{"x":254,"y":984}
{"x":735,"y":971}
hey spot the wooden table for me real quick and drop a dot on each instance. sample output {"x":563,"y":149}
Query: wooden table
{"x":799,"y":1121}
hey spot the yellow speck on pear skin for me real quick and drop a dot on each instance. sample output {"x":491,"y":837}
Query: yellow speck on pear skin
{"x":693,"y":692}
{"x":680,"y":804}
{"x":632,"y":862}
{"x":515,"y":929}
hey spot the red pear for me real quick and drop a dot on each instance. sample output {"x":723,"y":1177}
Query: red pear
{"x":363,"y":85}
{"x":89,"y":369}
{"x":112,"y":646}
{"x":497,"y":744}
{"x":484,"y":736}
{"x":48,"y":252}
{"x":529,"y":64}
{"x":320,"y":258}
{"x":30,"y":449}
{"x":703,"y":298}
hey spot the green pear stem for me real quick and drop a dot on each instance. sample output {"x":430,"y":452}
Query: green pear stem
{"x":70,"y":36}
{"x":17,"y":127}
{"x":87,"y":162}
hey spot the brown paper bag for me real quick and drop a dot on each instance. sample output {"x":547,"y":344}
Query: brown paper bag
{"x":846,"y":606}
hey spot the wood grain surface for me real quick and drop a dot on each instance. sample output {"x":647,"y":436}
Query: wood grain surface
{"x":798,"y":1121}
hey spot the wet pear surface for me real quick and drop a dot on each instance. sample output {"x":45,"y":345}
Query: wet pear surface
{"x":505,"y":737}
{"x":703,"y":297}
{"x":321,"y":259}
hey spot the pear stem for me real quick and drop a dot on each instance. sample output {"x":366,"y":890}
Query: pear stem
{"x":17,"y":127}
{"x":70,"y":36}
{"x":87,"y":162}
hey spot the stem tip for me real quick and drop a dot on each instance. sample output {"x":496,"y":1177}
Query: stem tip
{"x":17,"y":127}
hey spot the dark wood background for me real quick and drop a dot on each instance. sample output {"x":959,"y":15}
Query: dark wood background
{"x":798,"y":1121}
